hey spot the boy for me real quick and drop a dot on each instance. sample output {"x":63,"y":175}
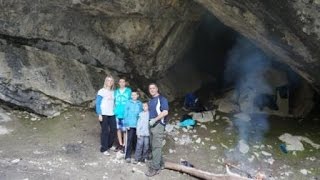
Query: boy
{"x":131,"y":113}
{"x":122,"y":96}
{"x":143,"y":135}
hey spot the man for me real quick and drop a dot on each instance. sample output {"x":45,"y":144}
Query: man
{"x":158,"y":112}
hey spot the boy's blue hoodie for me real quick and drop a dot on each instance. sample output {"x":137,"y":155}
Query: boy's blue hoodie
{"x":131,"y":113}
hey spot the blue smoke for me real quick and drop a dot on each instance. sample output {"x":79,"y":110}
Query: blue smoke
{"x":246,"y":70}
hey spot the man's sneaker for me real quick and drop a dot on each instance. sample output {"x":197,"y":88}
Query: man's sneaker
{"x":152,"y":172}
{"x":106,"y":153}
{"x":128,"y":160}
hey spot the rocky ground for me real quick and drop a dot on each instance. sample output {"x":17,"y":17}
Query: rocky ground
{"x":67,"y":147}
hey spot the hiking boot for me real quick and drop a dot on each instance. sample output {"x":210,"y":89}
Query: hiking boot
{"x":128,"y":160}
{"x":152,"y":172}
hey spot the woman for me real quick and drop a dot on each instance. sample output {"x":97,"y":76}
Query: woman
{"x":105,"y":111}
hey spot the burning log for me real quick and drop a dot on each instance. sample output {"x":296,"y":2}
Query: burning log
{"x":202,"y":174}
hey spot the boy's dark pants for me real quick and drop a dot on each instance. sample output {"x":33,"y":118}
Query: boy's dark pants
{"x":131,"y":136}
{"x":142,"y":148}
{"x":108,"y":132}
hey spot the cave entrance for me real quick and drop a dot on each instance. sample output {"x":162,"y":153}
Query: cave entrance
{"x":227,"y":71}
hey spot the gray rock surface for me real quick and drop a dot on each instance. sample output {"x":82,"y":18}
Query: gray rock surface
{"x":287,"y":29}
{"x":56,"y":53}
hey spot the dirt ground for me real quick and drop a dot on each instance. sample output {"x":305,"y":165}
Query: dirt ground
{"x":67,"y":147}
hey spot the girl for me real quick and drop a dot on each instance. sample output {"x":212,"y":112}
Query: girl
{"x":105,"y":111}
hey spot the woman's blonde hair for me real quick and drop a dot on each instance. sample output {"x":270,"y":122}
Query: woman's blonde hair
{"x":105,"y":82}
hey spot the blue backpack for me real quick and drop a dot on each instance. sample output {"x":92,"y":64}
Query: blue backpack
{"x":190,"y":100}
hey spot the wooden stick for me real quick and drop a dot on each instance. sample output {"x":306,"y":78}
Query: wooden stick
{"x":201,"y":174}
{"x":241,"y":170}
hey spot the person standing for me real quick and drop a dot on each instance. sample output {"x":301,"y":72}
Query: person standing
{"x":122,"y":96}
{"x":131,"y":114}
{"x":105,"y":112}
{"x":158,"y":115}
{"x":143,"y":135}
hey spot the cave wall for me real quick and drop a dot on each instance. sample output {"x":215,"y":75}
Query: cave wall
{"x":78,"y":42}
{"x":289,"y":30}
{"x":56,"y":53}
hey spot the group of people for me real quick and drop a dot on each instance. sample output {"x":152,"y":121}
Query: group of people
{"x":122,"y":114}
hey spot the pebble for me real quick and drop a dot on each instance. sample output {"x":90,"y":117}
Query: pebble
{"x":207,"y":139}
{"x":195,"y":136}
{"x":198,"y":140}
{"x":251,"y":158}
{"x":311,"y":158}
{"x":15,"y":161}
{"x":172,"y":151}
{"x":266,"y":153}
{"x":91,"y":164}
{"x":213,"y":148}
{"x":184,"y":130}
{"x":38,"y":152}
{"x":256,"y":146}
{"x":164,"y":142}
{"x":256,"y":154}
{"x":223,"y":145}
{"x":304,"y":171}
{"x":194,"y":131}
{"x":213,"y":131}
{"x":270,"y":160}
{"x":204,"y":126}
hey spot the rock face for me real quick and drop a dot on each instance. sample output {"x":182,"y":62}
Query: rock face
{"x":43,"y":82}
{"x":290,"y":30}
{"x":56,"y":53}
